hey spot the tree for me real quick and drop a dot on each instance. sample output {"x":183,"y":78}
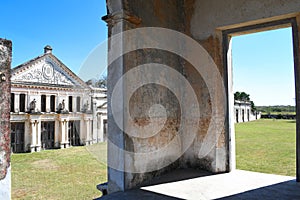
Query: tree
{"x":101,"y":83}
{"x":253,"y":108}
{"x":241,"y":96}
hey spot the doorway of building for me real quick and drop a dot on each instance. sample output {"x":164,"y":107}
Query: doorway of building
{"x":74,"y":133}
{"x":17,"y":137}
{"x":47,"y":135}
{"x":271,"y":78}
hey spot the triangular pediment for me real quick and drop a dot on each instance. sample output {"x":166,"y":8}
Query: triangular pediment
{"x":46,"y":70}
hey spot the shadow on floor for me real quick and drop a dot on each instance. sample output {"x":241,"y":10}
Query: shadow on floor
{"x":173,"y":176}
{"x":178,"y":175}
{"x":285,"y":190}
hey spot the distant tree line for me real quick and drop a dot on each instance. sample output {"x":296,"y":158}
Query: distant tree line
{"x":277,"y":109}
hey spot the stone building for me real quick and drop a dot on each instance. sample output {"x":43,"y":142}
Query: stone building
{"x":243,"y":112}
{"x":99,"y":113}
{"x":51,"y":107}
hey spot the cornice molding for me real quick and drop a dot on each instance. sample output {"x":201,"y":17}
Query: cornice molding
{"x":113,"y":18}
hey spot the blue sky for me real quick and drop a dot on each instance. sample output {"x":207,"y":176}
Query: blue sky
{"x":263,"y":67}
{"x":262,"y":62}
{"x":72,"y":27}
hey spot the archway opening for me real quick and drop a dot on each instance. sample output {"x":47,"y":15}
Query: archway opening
{"x":261,"y":62}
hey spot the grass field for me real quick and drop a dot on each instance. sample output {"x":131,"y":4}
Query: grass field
{"x":267,"y":146}
{"x":71,"y":173}
{"x":264,"y":146}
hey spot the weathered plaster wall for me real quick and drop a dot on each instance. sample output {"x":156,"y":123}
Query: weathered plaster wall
{"x":5,"y":62}
{"x":206,"y":24}
{"x":167,"y":14}
{"x":203,"y":21}
{"x":213,"y":14}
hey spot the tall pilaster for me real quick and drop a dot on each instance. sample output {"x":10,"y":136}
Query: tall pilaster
{"x":74,"y":104}
{"x":38,"y":136}
{"x":33,"y":124}
{"x":64,"y":121}
{"x":118,"y":20}
{"x":17,"y":102}
{"x":47,"y":103}
{"x":100,"y":128}
{"x":95,"y":123}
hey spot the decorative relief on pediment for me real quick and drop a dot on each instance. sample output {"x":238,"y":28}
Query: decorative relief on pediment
{"x":45,"y":73}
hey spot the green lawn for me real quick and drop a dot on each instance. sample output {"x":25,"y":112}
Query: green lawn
{"x":264,"y":146}
{"x":267,"y":146}
{"x":71,"y":173}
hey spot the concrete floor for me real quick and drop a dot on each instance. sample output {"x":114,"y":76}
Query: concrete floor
{"x":235,"y":185}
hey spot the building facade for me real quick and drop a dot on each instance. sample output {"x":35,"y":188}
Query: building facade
{"x":51,"y":107}
{"x":99,"y":97}
{"x":243,"y":112}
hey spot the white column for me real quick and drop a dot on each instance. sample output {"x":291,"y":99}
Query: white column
{"x":88,"y":134}
{"x":38,"y":133}
{"x":33,"y":136}
{"x":94,"y":128}
{"x":91,"y":131}
{"x":67,"y":133}
{"x":57,"y":133}
{"x":38,"y":103}
{"x":26,"y":101}
{"x":66,"y":103}
{"x":63,"y":134}
{"x":100,"y":128}
{"x":17,"y":102}
{"x":74,"y":104}
{"x":47,"y":103}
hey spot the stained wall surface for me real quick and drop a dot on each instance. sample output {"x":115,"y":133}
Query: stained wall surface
{"x":5,"y":62}
{"x":203,"y":22}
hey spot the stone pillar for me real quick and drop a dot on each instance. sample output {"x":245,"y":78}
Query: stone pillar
{"x":38,"y":136}
{"x":48,"y":103}
{"x":95,"y":131}
{"x":63,"y":134}
{"x":38,"y":103}
{"x":67,"y":134}
{"x":88,"y":133}
{"x":5,"y":173}
{"x":33,"y":135}
{"x":17,"y":102}
{"x":74,"y":104}
{"x":100,"y":128}
{"x":118,"y":20}
{"x":57,"y":134}
{"x":64,"y":143}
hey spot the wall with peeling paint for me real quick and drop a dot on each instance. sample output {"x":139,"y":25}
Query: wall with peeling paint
{"x":214,"y":14}
{"x":204,"y":22}
{"x":5,"y":62}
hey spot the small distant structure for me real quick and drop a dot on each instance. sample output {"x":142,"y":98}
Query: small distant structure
{"x":243,"y":112}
